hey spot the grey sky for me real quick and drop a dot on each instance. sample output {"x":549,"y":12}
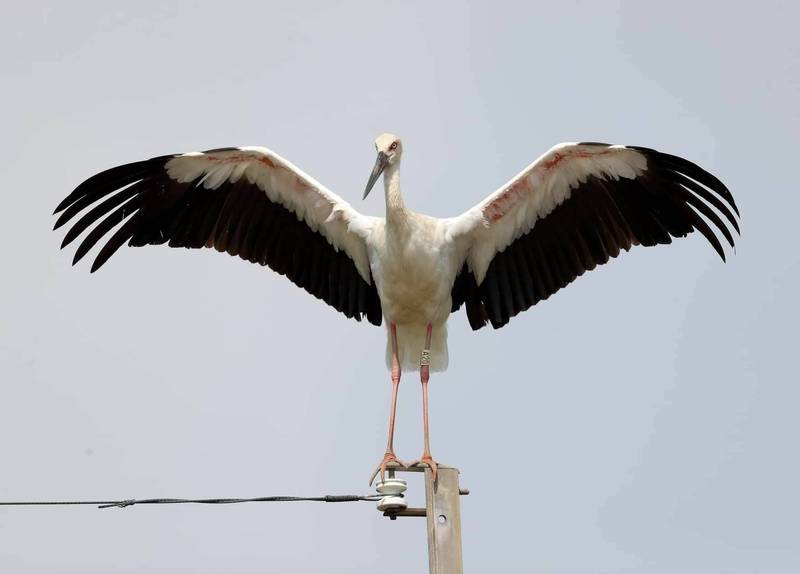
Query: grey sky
{"x":642,"y":420}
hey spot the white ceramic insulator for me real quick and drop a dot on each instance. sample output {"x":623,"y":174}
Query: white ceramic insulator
{"x":392,"y":490}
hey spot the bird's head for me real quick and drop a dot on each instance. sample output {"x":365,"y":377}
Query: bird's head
{"x":389,"y":148}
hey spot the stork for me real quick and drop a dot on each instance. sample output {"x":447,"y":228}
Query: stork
{"x":574,"y":208}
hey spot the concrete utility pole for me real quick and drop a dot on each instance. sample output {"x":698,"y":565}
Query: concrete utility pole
{"x":443,"y":513}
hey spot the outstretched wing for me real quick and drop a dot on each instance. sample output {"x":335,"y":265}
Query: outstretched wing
{"x":247,"y":201}
{"x":575,"y":208}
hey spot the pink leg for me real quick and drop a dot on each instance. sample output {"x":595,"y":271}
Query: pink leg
{"x":389,"y":456}
{"x":425,"y":374}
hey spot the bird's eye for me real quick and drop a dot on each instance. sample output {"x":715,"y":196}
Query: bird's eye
{"x":393,"y":146}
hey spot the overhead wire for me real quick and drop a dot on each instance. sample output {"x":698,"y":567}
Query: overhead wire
{"x":133,"y":502}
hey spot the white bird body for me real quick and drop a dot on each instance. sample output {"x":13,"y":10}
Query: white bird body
{"x":575,"y":207}
{"x":414,"y":263}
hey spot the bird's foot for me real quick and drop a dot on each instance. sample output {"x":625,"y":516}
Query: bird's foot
{"x":427,"y":459}
{"x":381,"y":468}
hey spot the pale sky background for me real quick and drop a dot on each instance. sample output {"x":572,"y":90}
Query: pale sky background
{"x":644,"y":420}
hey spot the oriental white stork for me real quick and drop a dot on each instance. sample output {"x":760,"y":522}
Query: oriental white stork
{"x":572,"y":209}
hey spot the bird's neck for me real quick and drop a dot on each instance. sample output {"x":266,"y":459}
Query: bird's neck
{"x":395,"y":208}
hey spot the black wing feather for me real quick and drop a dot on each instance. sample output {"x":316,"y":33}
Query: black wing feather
{"x":672,"y":198}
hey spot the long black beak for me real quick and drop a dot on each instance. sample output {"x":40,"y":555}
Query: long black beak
{"x":380,"y":165}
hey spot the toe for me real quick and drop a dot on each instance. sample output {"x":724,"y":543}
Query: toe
{"x":427,"y":460}
{"x":381,"y":468}
{"x":374,"y":474}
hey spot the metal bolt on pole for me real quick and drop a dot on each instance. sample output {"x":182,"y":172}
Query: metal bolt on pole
{"x":443,"y":513}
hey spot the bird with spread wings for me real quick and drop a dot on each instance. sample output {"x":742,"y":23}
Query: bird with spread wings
{"x":574,"y":208}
